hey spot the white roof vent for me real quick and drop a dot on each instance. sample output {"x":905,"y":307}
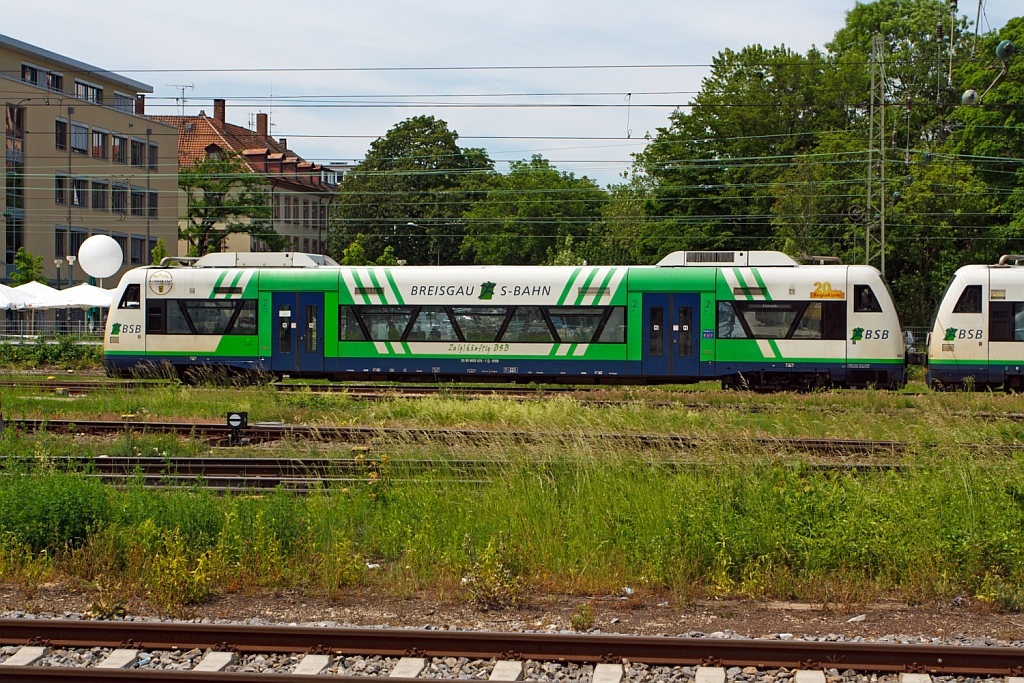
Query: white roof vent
{"x":726,"y":258}
{"x":264,"y":259}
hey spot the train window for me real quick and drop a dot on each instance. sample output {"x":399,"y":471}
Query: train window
{"x":729,"y":325}
{"x":685,"y":345}
{"x":657,"y":331}
{"x":527,"y":325}
{"x":245,"y":323}
{"x":1001,"y":321}
{"x":614,"y":330}
{"x":155,"y":315}
{"x":810,"y":324}
{"x":768,"y":319}
{"x":284,"y":329}
{"x":176,"y":321}
{"x":210,"y":316}
{"x":479,"y":323}
{"x":385,"y":323}
{"x":969,"y":301}
{"x":132,"y":297}
{"x":864,"y":300}
{"x":833,"y":320}
{"x":432,"y":324}
{"x":576,"y":324}
{"x":349,"y":328}
{"x":312,"y":313}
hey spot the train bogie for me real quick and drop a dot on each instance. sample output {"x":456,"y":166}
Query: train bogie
{"x":749,"y":319}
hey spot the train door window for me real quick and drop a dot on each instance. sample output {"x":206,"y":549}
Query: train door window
{"x":685,"y":344}
{"x":864,"y":300}
{"x":155,"y":315}
{"x":1001,"y":321}
{"x":432,"y":324}
{"x":349,"y":328}
{"x":657,"y":331}
{"x":614,"y":330}
{"x":132,"y":297}
{"x":386,"y":323}
{"x":284,"y":328}
{"x":177,"y":323}
{"x":527,"y":325}
{"x":729,"y":324}
{"x":311,"y":331}
{"x":833,"y":325}
{"x":479,"y":323}
{"x":576,"y":324}
{"x":969,"y":301}
{"x":245,"y":320}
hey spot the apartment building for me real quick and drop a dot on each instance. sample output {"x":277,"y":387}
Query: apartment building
{"x":301,"y":192}
{"x":82,"y":160}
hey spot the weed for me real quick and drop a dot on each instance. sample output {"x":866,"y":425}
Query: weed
{"x":582,"y":618}
{"x":490,"y":582}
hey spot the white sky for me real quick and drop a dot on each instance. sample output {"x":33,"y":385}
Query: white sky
{"x":217,"y":34}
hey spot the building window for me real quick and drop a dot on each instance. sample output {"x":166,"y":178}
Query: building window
{"x":138,"y":153}
{"x":296,"y":242}
{"x":29,"y":74}
{"x":15,"y":126}
{"x":152,"y":248}
{"x":119,"y":149}
{"x":55,"y":81}
{"x":153,"y":149}
{"x":79,"y":139}
{"x":152,"y":204}
{"x":99,"y":145}
{"x":122,"y":241}
{"x":124,"y":103}
{"x":61,"y":134}
{"x":138,"y":244}
{"x":99,"y":195}
{"x":76,"y":238}
{"x":119,"y":199}
{"x":80,"y":192}
{"x":305,"y":245}
{"x":60,"y":189}
{"x":15,"y":184}
{"x":15,"y":227}
{"x":60,"y":242}
{"x":305,"y":213}
{"x":89,"y":93}
{"x":277,"y":206}
{"x":287,"y":209}
{"x":138,"y":201}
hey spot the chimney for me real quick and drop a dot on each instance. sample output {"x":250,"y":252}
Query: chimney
{"x":261,"y":124}
{"x":218,"y":110}
{"x":140,"y":105}
{"x":284,"y":143}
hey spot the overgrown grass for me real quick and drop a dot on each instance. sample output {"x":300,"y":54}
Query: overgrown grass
{"x":61,"y":352}
{"x":948,"y":418}
{"x":746,"y":526}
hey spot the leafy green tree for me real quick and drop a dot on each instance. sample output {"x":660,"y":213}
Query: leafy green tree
{"x":159,"y":252}
{"x":225,"y":198}
{"x":27,"y":268}
{"x":410,"y":193}
{"x":355,"y":255}
{"x":523,"y":214}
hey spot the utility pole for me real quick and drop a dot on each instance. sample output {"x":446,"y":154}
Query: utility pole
{"x":876,"y":154}
{"x":149,"y":199}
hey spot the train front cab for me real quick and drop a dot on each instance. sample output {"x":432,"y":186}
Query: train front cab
{"x":977,"y":338}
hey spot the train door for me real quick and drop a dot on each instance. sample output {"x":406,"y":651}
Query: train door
{"x":670,"y":344}
{"x":298,"y":344}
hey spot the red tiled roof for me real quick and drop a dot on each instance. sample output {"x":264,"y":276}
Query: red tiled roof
{"x":195,"y":138}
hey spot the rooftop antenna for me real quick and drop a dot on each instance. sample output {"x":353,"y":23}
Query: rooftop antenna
{"x":182,"y":88}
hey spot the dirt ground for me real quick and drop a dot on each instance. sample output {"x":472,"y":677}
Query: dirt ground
{"x":647,"y":615}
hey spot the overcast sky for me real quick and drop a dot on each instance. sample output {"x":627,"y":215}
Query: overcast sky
{"x":132,"y":37}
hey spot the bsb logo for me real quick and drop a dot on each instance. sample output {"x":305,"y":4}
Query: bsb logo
{"x":950,"y":334}
{"x":487,"y":290}
{"x":953,"y":333}
{"x":858,"y":334}
{"x":115,"y":329}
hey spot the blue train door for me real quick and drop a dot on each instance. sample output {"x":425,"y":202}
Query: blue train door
{"x":311,"y":332}
{"x":298,"y":344}
{"x":671,"y":345}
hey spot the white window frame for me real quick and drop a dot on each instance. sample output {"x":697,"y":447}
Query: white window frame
{"x":131,"y":98}
{"x":91,"y":85}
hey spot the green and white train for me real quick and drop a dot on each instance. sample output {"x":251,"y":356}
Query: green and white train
{"x":977,"y":336}
{"x":754,"y":319}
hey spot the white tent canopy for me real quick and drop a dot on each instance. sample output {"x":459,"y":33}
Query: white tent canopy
{"x":12,"y":298}
{"x":35,"y":291}
{"x":79,"y":296}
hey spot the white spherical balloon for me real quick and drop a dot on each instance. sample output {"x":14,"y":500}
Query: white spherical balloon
{"x":100,"y":256}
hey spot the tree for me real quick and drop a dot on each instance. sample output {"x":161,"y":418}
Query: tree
{"x":410,"y":193}
{"x":28,"y":268}
{"x":355,"y":255}
{"x":159,"y":252}
{"x":522,"y":216}
{"x":225,"y":198}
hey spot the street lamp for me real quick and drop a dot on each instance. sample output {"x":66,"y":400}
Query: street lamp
{"x":71,"y":269}
{"x":58,"y":262}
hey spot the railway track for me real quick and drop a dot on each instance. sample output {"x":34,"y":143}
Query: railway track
{"x":221,"y":643}
{"x":255,"y":433}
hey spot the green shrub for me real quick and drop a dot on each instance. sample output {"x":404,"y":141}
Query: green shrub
{"x":51,"y":510}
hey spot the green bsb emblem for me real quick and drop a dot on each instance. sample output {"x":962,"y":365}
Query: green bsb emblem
{"x":486,"y":290}
{"x":115,"y":329}
{"x":950,"y":334}
{"x":858,"y":334}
